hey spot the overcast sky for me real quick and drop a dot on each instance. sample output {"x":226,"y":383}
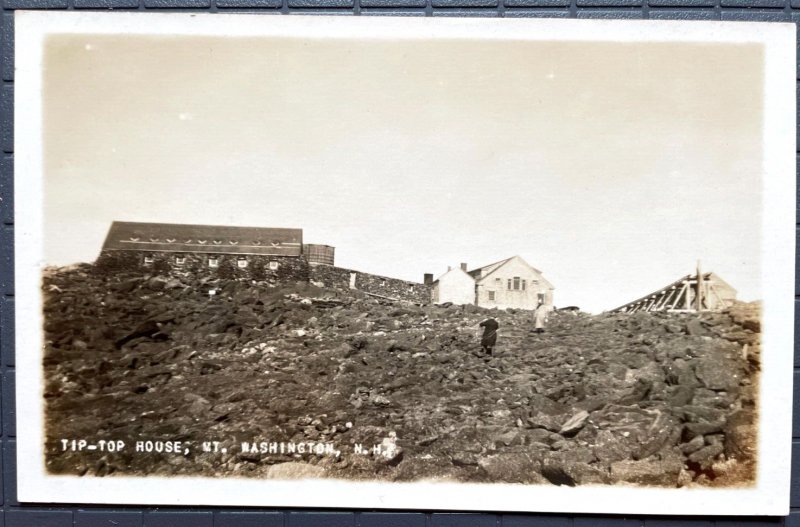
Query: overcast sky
{"x":610,"y":167}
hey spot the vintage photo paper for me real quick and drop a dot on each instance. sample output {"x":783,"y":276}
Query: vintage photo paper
{"x":506,"y":265}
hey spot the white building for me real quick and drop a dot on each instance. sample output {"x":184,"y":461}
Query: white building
{"x":508,"y":283}
{"x":454,"y":286}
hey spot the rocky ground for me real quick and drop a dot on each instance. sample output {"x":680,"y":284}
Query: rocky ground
{"x":649,"y":399}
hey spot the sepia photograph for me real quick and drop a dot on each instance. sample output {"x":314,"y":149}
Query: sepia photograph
{"x":390,"y":263}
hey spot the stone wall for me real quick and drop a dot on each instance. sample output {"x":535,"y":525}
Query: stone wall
{"x":341,"y":278}
{"x":258,"y":267}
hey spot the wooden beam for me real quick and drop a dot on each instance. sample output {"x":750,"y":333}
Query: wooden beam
{"x":698,"y":299}
{"x":688,"y":301}
{"x":665,"y":297}
{"x":676,"y":299}
{"x":651,"y":303}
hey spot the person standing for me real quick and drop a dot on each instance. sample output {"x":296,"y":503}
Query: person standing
{"x":540,"y":318}
{"x":489,"y":338}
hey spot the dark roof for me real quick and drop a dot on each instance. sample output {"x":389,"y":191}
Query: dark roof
{"x":219,"y":239}
{"x":486,"y":269}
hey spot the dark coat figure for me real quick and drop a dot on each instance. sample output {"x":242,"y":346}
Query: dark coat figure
{"x":489,"y":338}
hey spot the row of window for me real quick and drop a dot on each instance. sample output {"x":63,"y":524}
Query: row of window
{"x":213,"y":261}
{"x":201,"y":242}
{"x":492,"y":297}
{"x":514,"y":284}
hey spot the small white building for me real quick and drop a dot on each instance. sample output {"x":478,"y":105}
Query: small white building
{"x":454,"y":286}
{"x":509,"y":283}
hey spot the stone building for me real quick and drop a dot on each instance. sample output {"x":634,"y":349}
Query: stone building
{"x":256,"y":252}
{"x":509,"y":283}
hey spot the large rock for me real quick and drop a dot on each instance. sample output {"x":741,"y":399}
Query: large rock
{"x":574,"y":423}
{"x":693,"y":445}
{"x":679,"y":395}
{"x":696,"y":328}
{"x":706,"y":455}
{"x":747,"y":315}
{"x":548,"y":422}
{"x":665,"y":432}
{"x":609,"y":447}
{"x":680,"y":372}
{"x":718,"y":372}
{"x":690,"y":430}
{"x":741,"y":436}
{"x":647,"y":472}
{"x":635,"y":393}
{"x":514,"y":467}
{"x":571,"y":472}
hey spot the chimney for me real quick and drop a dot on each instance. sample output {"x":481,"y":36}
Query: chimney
{"x":464,"y":267}
{"x":428,"y":279}
{"x":449,"y":268}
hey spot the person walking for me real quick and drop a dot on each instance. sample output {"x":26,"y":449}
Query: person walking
{"x":489,"y":338}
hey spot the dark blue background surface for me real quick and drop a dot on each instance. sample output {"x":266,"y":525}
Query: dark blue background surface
{"x":14,"y":515}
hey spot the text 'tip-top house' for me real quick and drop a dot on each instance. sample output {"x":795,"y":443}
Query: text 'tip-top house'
{"x":508,"y":283}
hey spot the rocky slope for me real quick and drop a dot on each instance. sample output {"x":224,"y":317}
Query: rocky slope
{"x":653,"y":399}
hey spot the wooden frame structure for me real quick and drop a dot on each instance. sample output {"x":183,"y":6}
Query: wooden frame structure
{"x":687,"y":294}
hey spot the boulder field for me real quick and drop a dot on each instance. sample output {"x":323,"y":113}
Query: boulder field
{"x":238,"y":378}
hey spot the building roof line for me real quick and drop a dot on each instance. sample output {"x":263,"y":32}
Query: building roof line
{"x":124,"y":235}
{"x":455,"y":269}
{"x":200,"y":226}
{"x":499,"y":262}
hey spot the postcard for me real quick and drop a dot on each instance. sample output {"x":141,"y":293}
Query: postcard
{"x":440,"y":264}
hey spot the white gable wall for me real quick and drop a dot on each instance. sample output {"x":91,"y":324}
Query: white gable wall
{"x":454,"y":286}
{"x":497,"y":283}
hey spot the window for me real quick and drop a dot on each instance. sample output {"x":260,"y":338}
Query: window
{"x":273,"y":266}
{"x":523,"y":285}
{"x":541,"y":298}
{"x":516,"y":283}
{"x":509,"y":284}
{"x":180,"y":259}
{"x":148,"y":259}
{"x":241,"y":262}
{"x":213,"y":261}
{"x":491,"y":296}
{"x":498,"y":282}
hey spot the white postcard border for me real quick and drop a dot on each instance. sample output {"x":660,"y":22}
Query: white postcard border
{"x":769,"y":497}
